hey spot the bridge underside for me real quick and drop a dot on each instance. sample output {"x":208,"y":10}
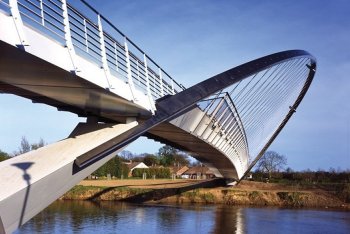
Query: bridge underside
{"x":28,"y":76}
{"x":207,"y":154}
{"x":43,"y":82}
{"x":35,"y":173}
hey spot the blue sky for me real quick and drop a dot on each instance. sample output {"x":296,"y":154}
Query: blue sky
{"x":194,"y":40}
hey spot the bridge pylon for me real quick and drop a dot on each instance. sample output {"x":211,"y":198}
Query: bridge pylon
{"x":32,"y":181}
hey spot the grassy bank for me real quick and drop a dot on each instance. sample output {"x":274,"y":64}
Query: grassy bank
{"x":247,"y":193}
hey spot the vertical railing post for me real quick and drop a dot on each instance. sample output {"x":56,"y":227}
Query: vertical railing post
{"x":130,"y":81}
{"x":116,"y":55}
{"x":67,"y":36}
{"x":149,"y":94}
{"x":138,"y":72}
{"x":103,"y":51}
{"x":146,"y":74}
{"x":42,"y":12}
{"x":85,"y":35}
{"x":172,"y":87}
{"x":161,"y":82}
{"x":18,"y":22}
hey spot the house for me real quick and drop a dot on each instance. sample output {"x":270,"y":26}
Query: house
{"x":198,"y":172}
{"x":178,"y":171}
{"x":133,"y":165}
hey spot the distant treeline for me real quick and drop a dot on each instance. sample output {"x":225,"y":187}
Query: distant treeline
{"x":304,"y":176}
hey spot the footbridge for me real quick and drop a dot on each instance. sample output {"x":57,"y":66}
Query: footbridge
{"x":69,"y":56}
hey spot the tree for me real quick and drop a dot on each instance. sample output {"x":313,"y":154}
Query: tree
{"x":150,"y":160}
{"x":26,"y":147}
{"x":271,"y":161}
{"x":38,"y":145}
{"x":289,"y":170}
{"x":126,"y":155}
{"x":169,"y":156}
{"x":166,"y":155}
{"x":114,"y":167}
{"x":137,"y":158}
{"x":181,"y":159}
{"x":3,"y":156}
{"x":118,"y":168}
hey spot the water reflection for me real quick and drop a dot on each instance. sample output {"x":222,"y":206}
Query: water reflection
{"x":116,"y":217}
{"x":229,"y":220}
{"x":169,"y":218}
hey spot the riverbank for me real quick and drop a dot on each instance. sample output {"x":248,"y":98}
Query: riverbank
{"x":208,"y":192}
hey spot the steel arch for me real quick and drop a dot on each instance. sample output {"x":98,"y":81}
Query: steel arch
{"x":170,"y":107}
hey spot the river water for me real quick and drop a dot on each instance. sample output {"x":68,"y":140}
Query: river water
{"x":116,"y":217}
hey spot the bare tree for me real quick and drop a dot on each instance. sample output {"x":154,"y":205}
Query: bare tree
{"x":38,"y":145}
{"x":126,"y":154}
{"x":26,"y":147}
{"x":271,"y":161}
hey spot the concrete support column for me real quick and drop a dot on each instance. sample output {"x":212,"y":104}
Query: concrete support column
{"x":32,"y":181}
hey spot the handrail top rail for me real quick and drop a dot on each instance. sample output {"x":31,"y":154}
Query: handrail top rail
{"x":129,"y":40}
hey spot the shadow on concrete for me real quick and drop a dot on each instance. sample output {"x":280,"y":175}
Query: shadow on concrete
{"x":24,"y":166}
{"x":2,"y":229}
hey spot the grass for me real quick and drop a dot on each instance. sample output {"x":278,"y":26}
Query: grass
{"x":344,"y":193}
{"x":253,"y":195}
{"x":87,"y":192}
{"x":191,"y":195}
{"x":274,"y":196}
{"x":293,"y":199}
{"x":207,"y":197}
{"x":79,"y":189}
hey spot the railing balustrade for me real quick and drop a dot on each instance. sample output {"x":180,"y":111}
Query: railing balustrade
{"x":95,"y":45}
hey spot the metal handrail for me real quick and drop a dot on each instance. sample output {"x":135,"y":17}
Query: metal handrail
{"x":223,"y":105}
{"x":4,"y":3}
{"x":130,"y":41}
{"x":91,"y":39}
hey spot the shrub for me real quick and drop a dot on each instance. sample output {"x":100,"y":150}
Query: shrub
{"x":208,"y":197}
{"x":159,"y":173}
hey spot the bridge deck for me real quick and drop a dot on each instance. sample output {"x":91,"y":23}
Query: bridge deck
{"x":26,"y":75}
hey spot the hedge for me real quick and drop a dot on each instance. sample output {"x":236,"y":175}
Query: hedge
{"x":150,"y":172}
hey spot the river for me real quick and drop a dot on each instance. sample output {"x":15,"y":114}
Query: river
{"x":116,"y":217}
